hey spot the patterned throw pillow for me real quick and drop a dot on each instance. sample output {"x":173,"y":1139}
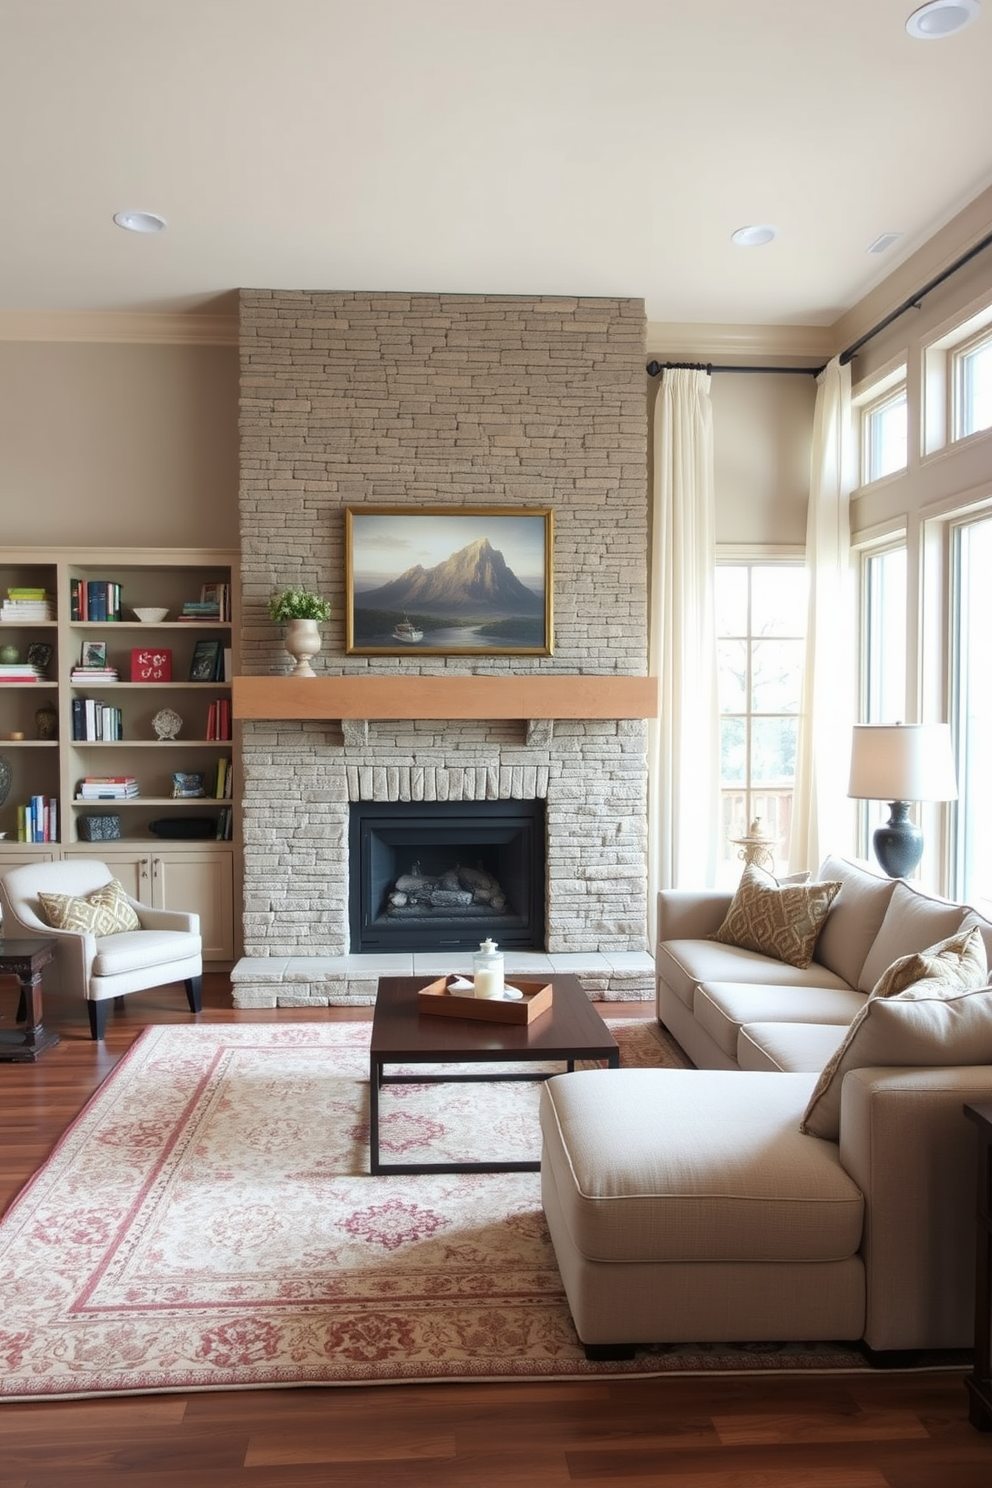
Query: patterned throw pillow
{"x":780,"y":920}
{"x":957,"y":963}
{"x":927,"y":1025}
{"x":104,"y":912}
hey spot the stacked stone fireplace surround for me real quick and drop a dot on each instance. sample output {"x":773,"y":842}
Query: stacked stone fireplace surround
{"x":414,"y":400}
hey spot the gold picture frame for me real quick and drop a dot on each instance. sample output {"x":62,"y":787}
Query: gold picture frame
{"x":444,"y":581}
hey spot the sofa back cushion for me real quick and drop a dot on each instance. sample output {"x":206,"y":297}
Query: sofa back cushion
{"x":855,"y":917}
{"x":973,"y":918}
{"x":913,"y":922}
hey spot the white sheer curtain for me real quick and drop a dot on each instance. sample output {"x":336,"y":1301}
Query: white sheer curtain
{"x":683,"y":750}
{"x":830,"y":678}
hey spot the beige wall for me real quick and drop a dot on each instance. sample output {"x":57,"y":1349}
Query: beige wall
{"x":133,"y":445}
{"x":120,"y":444}
{"x":762,"y":426}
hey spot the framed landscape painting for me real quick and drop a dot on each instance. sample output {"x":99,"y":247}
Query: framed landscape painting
{"x":438,"y":581}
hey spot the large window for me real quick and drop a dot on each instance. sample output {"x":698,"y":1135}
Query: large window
{"x":883,"y":436}
{"x":761,"y":625}
{"x":971,"y":708}
{"x":973,"y":387}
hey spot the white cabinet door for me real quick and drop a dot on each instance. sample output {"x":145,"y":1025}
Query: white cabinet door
{"x":199,"y":879}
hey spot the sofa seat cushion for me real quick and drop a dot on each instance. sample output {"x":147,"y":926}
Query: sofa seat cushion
{"x":722,"y":1008}
{"x":136,"y":950}
{"x":790,"y":1048}
{"x":683,"y":964}
{"x":695,"y":1165}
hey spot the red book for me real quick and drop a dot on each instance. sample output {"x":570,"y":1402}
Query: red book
{"x":151,"y":664}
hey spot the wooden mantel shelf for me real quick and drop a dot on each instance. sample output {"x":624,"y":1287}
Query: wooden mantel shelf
{"x":545,"y":696}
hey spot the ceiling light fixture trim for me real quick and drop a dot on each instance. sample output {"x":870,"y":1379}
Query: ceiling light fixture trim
{"x":940,"y":18}
{"x":755,"y":236}
{"x":140,"y":222}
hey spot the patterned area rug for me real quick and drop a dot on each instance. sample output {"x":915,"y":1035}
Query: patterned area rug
{"x":209,"y":1222}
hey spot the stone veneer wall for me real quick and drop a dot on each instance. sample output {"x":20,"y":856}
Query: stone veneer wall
{"x":448,"y":400}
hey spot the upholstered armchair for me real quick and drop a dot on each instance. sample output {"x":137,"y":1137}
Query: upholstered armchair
{"x":108,"y":943}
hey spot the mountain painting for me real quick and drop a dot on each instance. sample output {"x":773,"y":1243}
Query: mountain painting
{"x":442,"y":582}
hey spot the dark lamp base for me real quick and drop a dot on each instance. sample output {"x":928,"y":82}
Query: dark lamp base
{"x":899,"y":844}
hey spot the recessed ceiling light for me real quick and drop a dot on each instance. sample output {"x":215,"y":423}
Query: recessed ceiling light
{"x":143,"y":222}
{"x":942,"y":18}
{"x":884,"y":241}
{"x":753,"y":237}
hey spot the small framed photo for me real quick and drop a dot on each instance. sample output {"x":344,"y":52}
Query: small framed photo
{"x":207,"y":663}
{"x":40,"y":655}
{"x":187,"y":785}
{"x":93,"y":654}
{"x":448,"y":581}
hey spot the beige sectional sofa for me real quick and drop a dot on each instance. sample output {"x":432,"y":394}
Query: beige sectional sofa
{"x":698,"y":1205}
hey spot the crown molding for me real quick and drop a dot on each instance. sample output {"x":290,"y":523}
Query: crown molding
{"x":700,"y":341}
{"x":145,"y":328}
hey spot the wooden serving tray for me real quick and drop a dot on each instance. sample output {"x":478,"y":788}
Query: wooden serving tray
{"x":536,"y":1000}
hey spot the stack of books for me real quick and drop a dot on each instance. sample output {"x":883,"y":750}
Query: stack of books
{"x":96,"y":721}
{"x":38,"y":820}
{"x":20,"y":671}
{"x":92,"y":674}
{"x":214,"y":603}
{"x":94,"y":599}
{"x":107,"y":788}
{"x":24,"y":603}
{"x":222,"y":780}
{"x":219,"y":719}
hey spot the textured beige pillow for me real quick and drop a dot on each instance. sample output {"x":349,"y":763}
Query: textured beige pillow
{"x":957,"y":963}
{"x":780,"y":920}
{"x":926,"y":1026}
{"x":104,"y":912}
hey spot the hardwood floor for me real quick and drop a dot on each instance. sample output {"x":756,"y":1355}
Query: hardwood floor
{"x":871,"y":1430}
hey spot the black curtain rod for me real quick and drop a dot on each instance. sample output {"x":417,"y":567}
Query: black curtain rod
{"x":913,"y":303}
{"x":653,"y":368}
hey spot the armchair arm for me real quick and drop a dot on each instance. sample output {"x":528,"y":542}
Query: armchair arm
{"x":691,"y":914}
{"x":166,"y":919}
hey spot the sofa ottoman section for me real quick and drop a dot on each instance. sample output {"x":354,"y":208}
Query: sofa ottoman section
{"x":685,"y":1205}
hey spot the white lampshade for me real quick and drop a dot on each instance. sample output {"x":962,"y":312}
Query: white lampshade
{"x":902,"y":762}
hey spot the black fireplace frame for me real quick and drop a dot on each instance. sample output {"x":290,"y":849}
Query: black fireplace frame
{"x":507,"y":837}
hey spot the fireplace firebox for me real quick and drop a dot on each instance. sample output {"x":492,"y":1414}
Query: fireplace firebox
{"x":443,"y":875}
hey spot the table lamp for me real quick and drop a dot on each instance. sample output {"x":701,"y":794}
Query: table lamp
{"x":901,"y":763}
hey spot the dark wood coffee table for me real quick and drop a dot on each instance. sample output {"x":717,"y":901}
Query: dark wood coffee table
{"x":571,"y":1029}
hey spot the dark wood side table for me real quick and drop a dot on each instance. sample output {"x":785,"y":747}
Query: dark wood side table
{"x":979,"y":1382}
{"x":26,"y":959}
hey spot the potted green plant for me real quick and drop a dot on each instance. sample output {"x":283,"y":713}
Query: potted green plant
{"x":298,"y":604}
{"x":302,"y":611}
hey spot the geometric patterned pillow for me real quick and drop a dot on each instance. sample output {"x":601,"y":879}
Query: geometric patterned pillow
{"x":780,"y":920}
{"x":958,"y":963}
{"x":104,"y":912}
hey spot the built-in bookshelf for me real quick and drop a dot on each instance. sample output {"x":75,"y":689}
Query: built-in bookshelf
{"x":118,"y":697}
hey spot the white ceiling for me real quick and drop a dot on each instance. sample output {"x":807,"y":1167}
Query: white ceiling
{"x":591,"y":147}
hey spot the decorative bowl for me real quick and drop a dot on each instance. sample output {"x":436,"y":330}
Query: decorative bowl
{"x":151,"y":616}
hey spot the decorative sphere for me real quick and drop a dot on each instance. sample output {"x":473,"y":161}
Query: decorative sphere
{"x":9,"y":655}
